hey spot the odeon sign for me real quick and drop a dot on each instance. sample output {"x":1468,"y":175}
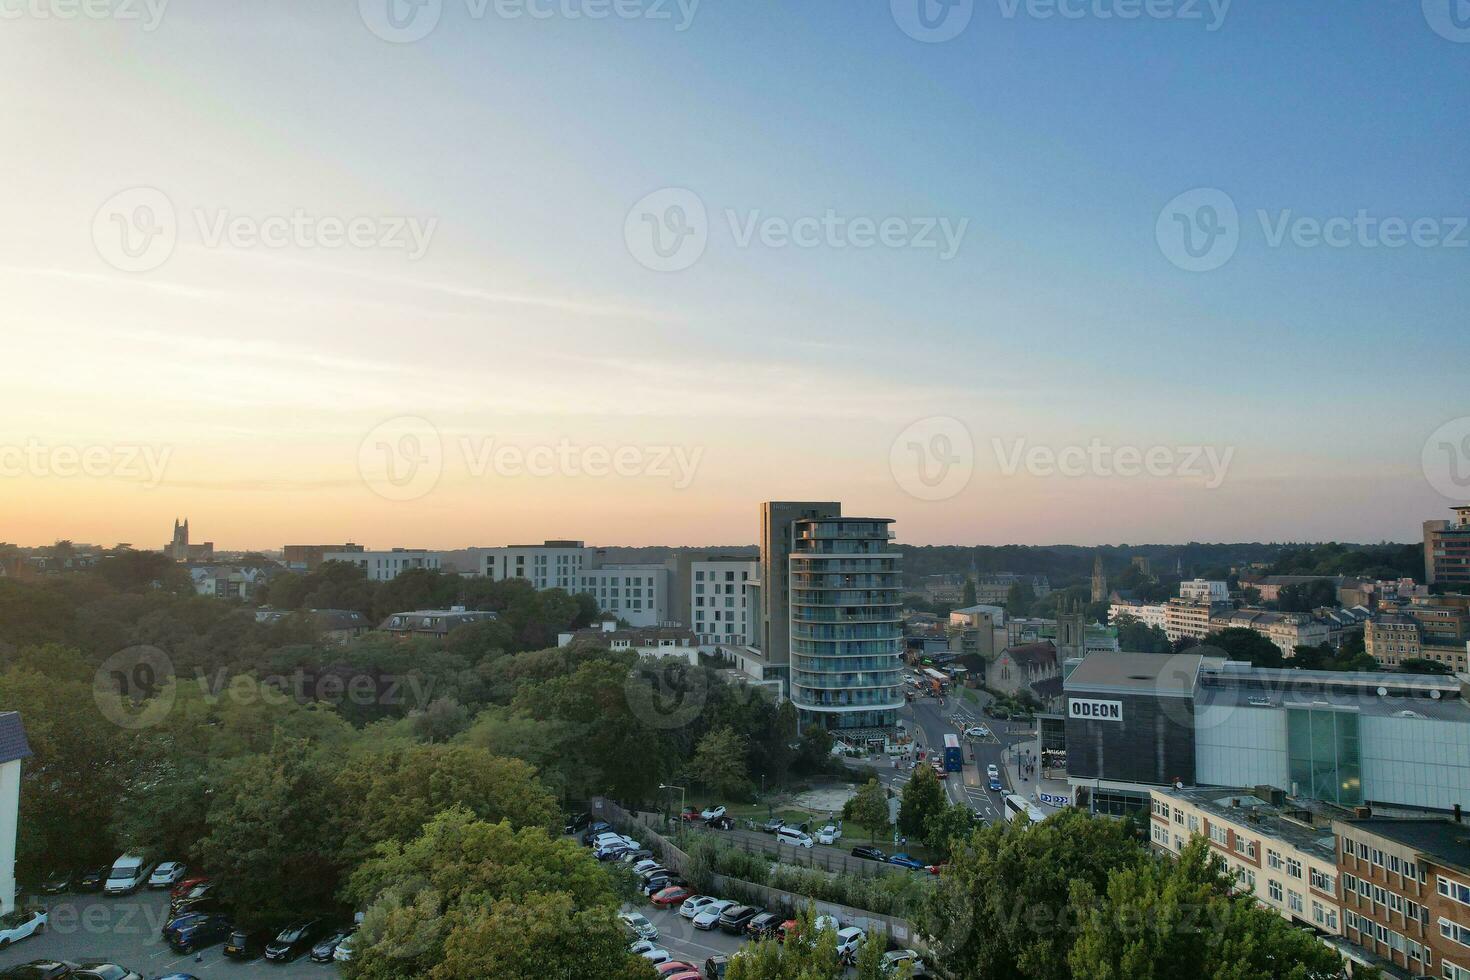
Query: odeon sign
{"x":1088,"y":710}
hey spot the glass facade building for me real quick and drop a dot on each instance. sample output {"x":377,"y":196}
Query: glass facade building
{"x":846,"y":627}
{"x":1323,"y":755}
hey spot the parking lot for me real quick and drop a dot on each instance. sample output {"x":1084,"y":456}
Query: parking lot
{"x":126,"y":931}
{"x":680,"y":938}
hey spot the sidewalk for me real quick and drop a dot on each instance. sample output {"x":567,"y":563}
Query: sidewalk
{"x":1049,"y":794}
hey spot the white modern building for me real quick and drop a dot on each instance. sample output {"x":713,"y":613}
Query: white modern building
{"x":719,"y":602}
{"x":1204,"y":590}
{"x":385,"y":566}
{"x":13,"y":748}
{"x":1149,"y":614}
{"x":556,"y":564}
{"x":637,"y":594}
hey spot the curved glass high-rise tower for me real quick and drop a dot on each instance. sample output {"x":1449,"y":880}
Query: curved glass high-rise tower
{"x":846,"y":629}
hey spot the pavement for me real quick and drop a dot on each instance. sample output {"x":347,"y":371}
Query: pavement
{"x":930,"y":719}
{"x":126,"y":931}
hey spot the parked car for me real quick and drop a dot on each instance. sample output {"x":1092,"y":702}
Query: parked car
{"x":773,"y":825}
{"x":639,"y":925}
{"x":720,"y":823}
{"x":904,"y":861}
{"x":993,"y":771}
{"x":662,"y":882}
{"x":294,"y":940}
{"x":695,"y":904}
{"x":632,"y":857}
{"x":166,"y":875}
{"x":21,"y":924}
{"x":92,"y":879}
{"x":104,"y":971}
{"x":977,"y":731}
{"x":343,"y":952}
{"x":325,"y":951}
{"x":849,"y":941}
{"x":764,"y":925}
{"x":794,"y":837}
{"x":893,"y":959}
{"x":58,"y":882}
{"x":936,"y":869}
{"x":40,"y":970}
{"x":993,"y":784}
{"x":675,"y":967}
{"x":577,"y":822}
{"x":708,"y":917}
{"x":735,"y":918}
{"x":593,"y":830}
{"x":188,"y":906}
{"x":197,"y":931}
{"x":647,"y":864}
{"x":184,"y":887}
{"x":650,"y":952}
{"x":129,"y":873}
{"x":672,"y":896}
{"x":246,"y":944}
{"x":829,"y":834}
{"x":713,"y":813}
{"x":689,"y":814}
{"x":869,"y":853}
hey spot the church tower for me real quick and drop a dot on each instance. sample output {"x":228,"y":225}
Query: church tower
{"x":1099,"y":581}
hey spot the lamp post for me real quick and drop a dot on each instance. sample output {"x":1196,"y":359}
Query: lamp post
{"x":664,"y":786}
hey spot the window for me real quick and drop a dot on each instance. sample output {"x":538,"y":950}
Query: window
{"x":1322,"y":881}
{"x":1219,"y":835}
{"x":1193,"y":824}
{"x":1274,"y":888}
{"x":1294,"y":901}
{"x":1293,"y":867}
{"x":1319,"y":914}
{"x":1454,"y":931}
{"x":1178,"y":816}
{"x":1453,"y":889}
{"x":1273,"y":859}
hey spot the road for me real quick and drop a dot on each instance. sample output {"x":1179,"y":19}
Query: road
{"x":832,"y":858}
{"x":930,"y":722}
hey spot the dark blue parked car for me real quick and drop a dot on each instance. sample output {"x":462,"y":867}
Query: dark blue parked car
{"x":197,"y":930}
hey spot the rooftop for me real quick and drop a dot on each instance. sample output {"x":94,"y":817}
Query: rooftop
{"x":1444,"y":840}
{"x":1161,"y":674}
{"x":1304,"y":824}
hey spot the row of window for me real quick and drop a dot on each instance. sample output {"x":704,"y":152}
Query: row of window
{"x":1370,"y":930}
{"x":1389,"y":862}
{"x":1407,"y":909}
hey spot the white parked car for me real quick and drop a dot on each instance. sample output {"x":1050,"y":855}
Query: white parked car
{"x":640,"y":925}
{"x":992,"y":772}
{"x":826,"y":922}
{"x":849,"y":941}
{"x":644,"y":865}
{"x":829,"y":834}
{"x":896,"y":958}
{"x":709,"y":916}
{"x":650,"y":952}
{"x":167,"y":874}
{"x":128,"y":874}
{"x":714,"y":813}
{"x":794,"y":837}
{"x":17,"y":925}
{"x":343,"y":952}
{"x":979,"y":731}
{"x":694,"y":905}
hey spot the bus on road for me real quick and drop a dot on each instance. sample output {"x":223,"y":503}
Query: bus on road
{"x":1017,"y":805}
{"x":936,"y":681}
{"x":954,"y":756}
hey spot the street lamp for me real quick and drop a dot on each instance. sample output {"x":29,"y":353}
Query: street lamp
{"x":664,"y":786}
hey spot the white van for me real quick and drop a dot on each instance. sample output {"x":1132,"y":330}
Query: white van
{"x":794,"y":837}
{"x":128,"y":874}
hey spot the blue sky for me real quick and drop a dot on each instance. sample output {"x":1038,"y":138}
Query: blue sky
{"x":527,"y":141}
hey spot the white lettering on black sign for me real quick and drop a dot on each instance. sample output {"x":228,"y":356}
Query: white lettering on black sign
{"x":1096,"y":710}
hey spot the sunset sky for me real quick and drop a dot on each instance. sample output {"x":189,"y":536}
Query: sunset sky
{"x":266,"y":379}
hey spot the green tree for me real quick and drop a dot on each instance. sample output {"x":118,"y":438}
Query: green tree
{"x":1002,"y":906}
{"x":274,"y":838}
{"x":810,"y":955}
{"x":1240,"y":643}
{"x":1160,"y":919}
{"x":1020,"y":598}
{"x":949,"y":827}
{"x":869,"y":809}
{"x":923,"y":800}
{"x":719,"y":764}
{"x":1423,"y":665}
{"x":969,"y":598}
